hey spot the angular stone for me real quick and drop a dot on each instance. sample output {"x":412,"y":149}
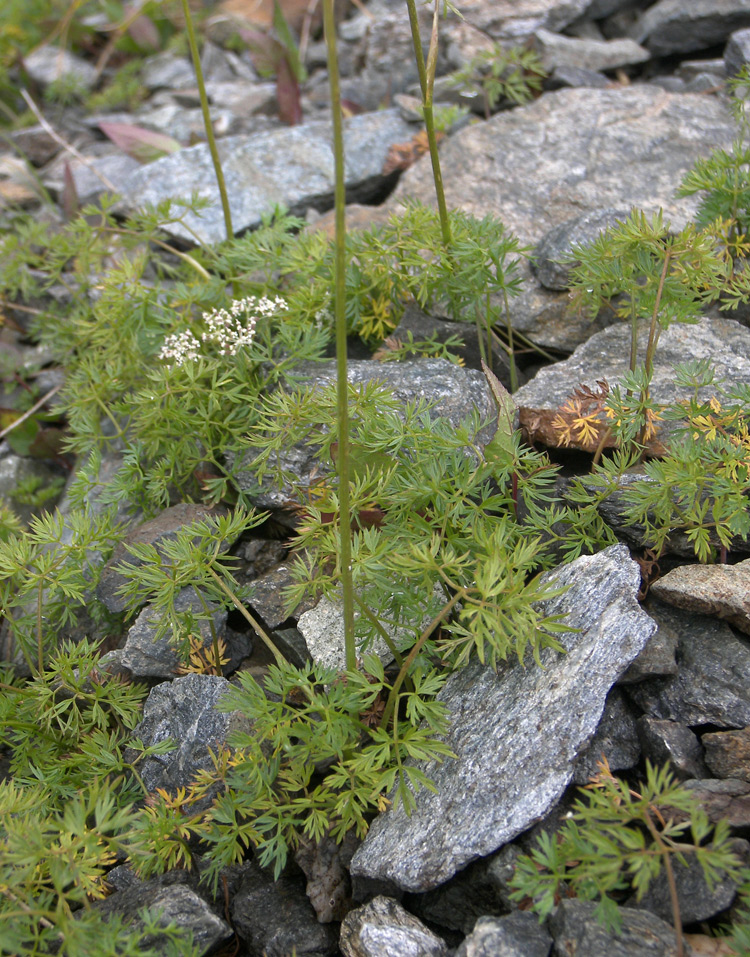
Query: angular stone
{"x":174,"y":903}
{"x":563,"y":76}
{"x":165,"y":70}
{"x":518,"y":935}
{"x":667,"y":742}
{"x":90,"y":180}
{"x":325,"y":864}
{"x":712,"y":685}
{"x":727,"y":798}
{"x":719,"y":590}
{"x":616,"y":740}
{"x":183,"y":710}
{"x":510,"y":767}
{"x":737,"y":52}
{"x":458,"y":904}
{"x":605,"y":356}
{"x":728,"y":753}
{"x":292,"y":166}
{"x":384,"y":927}
{"x":47,"y":64}
{"x":657,"y":659}
{"x":556,"y":51}
{"x":275,"y":918}
{"x":266,"y":597}
{"x":673,"y":26}
{"x":576,"y":930}
{"x":552,"y":261}
{"x":454,"y":392}
{"x":515,"y":21}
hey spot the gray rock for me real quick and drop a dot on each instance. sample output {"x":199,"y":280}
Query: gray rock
{"x":563,"y":76}
{"x":577,"y":933}
{"x":175,"y":903}
{"x":165,"y":70}
{"x":672,"y":26}
{"x":266,"y":597}
{"x":712,"y":685}
{"x":697,"y":900}
{"x":470,"y":894}
{"x":510,"y":769}
{"x":556,"y":51}
{"x":36,"y":144}
{"x":47,"y":64}
{"x":690,"y":70}
{"x":616,"y":739}
{"x":292,"y":166}
{"x":325,"y":864}
{"x":667,"y":742}
{"x":164,"y":527}
{"x":183,"y":710}
{"x":728,"y":799}
{"x":599,"y":9}
{"x":384,"y":927}
{"x":455,"y":393}
{"x":275,"y":918}
{"x":568,"y":153}
{"x":552,"y":261}
{"x":605,"y":356}
{"x":737,"y":52}
{"x":728,"y":753}
{"x":657,"y":659}
{"x":719,"y":590}
{"x":515,"y":21}
{"x":91,"y":180}
{"x":518,"y":935}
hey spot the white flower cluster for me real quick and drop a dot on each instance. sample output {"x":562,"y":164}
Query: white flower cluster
{"x":230,"y":329}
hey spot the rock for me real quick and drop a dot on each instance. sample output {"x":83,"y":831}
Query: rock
{"x":672,"y":26}
{"x":577,"y":933}
{"x":175,"y":903}
{"x":15,"y":469}
{"x":728,"y":754}
{"x":552,"y":261}
{"x":667,"y":742}
{"x":454,"y":392}
{"x":514,"y":21}
{"x":657,"y":659}
{"x":518,"y":935}
{"x":720,"y":590}
{"x":384,"y":927}
{"x":728,"y":799}
{"x":712,"y":685}
{"x":325,"y":864}
{"x":101,"y":174}
{"x":165,"y":70}
{"x":737,"y":52}
{"x":183,"y":710}
{"x":559,"y":51}
{"x":510,"y":770}
{"x":265,"y":595}
{"x":36,"y":144}
{"x":563,"y":76}
{"x":697,"y":900}
{"x":605,"y":356}
{"x":48,"y":64}
{"x":457,"y":904}
{"x":564,"y":155}
{"x":292,"y":166}
{"x":275,"y":918}
{"x":164,"y":527}
{"x":616,"y":740}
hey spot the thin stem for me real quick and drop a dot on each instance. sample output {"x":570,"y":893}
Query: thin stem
{"x":653,"y":336}
{"x":207,"y":120}
{"x":511,"y":345}
{"x":29,"y":412}
{"x":265,"y":637}
{"x":426,"y":82}
{"x":339,"y":303}
{"x":397,"y":656}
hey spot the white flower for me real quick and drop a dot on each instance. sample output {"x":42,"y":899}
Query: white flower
{"x":180,"y":347}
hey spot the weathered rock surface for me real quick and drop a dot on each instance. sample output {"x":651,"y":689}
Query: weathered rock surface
{"x":727,"y":798}
{"x":510,"y":769}
{"x":728,"y":753}
{"x":556,"y":51}
{"x":384,"y":927}
{"x":616,"y":740}
{"x":49,"y":64}
{"x":518,"y":935}
{"x":667,"y":742}
{"x":292,"y":166}
{"x":737,"y":52}
{"x":578,"y":933}
{"x":672,"y":26}
{"x":720,"y":590}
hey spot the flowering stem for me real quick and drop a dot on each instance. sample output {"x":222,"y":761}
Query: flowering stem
{"x":342,"y":383}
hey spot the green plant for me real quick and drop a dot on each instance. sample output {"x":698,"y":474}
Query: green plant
{"x":617,"y":840}
{"x":513,"y":74}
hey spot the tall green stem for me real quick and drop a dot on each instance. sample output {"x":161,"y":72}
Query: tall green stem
{"x":339,"y":311}
{"x":207,"y":119}
{"x":426,"y":82}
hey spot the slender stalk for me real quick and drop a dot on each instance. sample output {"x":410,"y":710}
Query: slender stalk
{"x":207,"y":119}
{"x":426,"y":82}
{"x":339,"y":303}
{"x":260,"y":630}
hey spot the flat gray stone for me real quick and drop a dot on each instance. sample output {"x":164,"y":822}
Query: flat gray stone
{"x":47,"y":64}
{"x":517,"y":935}
{"x":667,"y":742}
{"x":616,"y":740}
{"x":720,"y":590}
{"x":516,"y":20}
{"x":578,"y":932}
{"x":383,"y":927}
{"x":673,"y":26}
{"x":292,"y":166}
{"x":556,"y":51}
{"x":515,"y":733}
{"x":737,"y":52}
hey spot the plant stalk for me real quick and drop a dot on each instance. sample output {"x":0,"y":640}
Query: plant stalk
{"x":207,"y":119}
{"x":339,"y":311}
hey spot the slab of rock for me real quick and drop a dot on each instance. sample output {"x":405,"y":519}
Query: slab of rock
{"x":616,"y":740}
{"x":712,"y":685}
{"x":47,"y":64}
{"x":673,"y":26}
{"x":458,"y":904}
{"x":566,"y":154}
{"x":727,"y":798}
{"x":518,"y":935}
{"x":605,"y":356}
{"x":556,"y":51}
{"x":657,"y":659}
{"x":384,"y":927}
{"x":552,"y":261}
{"x":511,"y":766}
{"x":728,"y":753}
{"x":183,"y":710}
{"x":737,"y":52}
{"x":516,"y":20}
{"x":720,"y":590}
{"x":667,"y":742}
{"x":454,"y":392}
{"x":292,"y":166}
{"x":576,"y":931}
